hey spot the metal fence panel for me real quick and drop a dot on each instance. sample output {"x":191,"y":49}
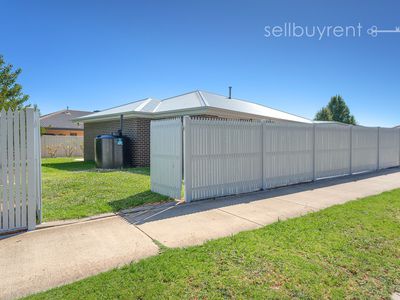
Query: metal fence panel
{"x":332,"y":150}
{"x":364,"y":149}
{"x":288,"y":154}
{"x":388,"y":147}
{"x":20,"y":183}
{"x":225,"y":157}
{"x":222,"y":157}
{"x":166,"y":157}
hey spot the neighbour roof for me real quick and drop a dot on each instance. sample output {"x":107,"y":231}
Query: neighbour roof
{"x":196,"y":102}
{"x":63,"y":119}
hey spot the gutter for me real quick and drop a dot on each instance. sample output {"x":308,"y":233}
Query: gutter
{"x":182,"y":112}
{"x":146,"y":115}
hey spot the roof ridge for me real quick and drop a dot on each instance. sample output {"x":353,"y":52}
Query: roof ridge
{"x":191,"y":92}
{"x":141,"y":106}
{"x":144,"y":99}
{"x":203,"y":99}
{"x":244,"y":100}
{"x":52,"y":113}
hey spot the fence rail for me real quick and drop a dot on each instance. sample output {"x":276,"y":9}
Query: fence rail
{"x":20,"y":184}
{"x":61,"y":146}
{"x":224,"y":157}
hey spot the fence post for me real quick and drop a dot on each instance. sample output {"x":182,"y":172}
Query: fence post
{"x":399,"y":146}
{"x":314,"y":152}
{"x":31,"y":168}
{"x":351,"y":150}
{"x":187,"y":170}
{"x":378,"y":149}
{"x":38,"y":165}
{"x":263,"y":129}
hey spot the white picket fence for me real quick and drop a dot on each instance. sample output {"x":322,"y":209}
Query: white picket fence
{"x":61,"y":146}
{"x":20,"y":184}
{"x":225,"y":157}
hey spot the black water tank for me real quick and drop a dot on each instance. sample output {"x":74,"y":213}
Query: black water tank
{"x":109,"y":151}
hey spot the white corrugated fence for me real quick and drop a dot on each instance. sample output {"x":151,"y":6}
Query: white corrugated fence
{"x":225,"y":157}
{"x":20,"y":184}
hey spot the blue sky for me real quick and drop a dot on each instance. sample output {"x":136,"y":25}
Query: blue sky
{"x":91,"y":55}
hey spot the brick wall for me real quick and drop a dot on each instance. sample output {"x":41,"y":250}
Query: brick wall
{"x":137,"y":130}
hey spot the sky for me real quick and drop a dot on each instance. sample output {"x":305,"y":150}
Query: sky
{"x":91,"y":55}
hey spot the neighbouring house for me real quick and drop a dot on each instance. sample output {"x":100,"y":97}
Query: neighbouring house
{"x":136,"y":117}
{"x":60,"y":123}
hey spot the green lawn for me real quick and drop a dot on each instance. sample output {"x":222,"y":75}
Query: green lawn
{"x":349,"y":251}
{"x":75,"y":189}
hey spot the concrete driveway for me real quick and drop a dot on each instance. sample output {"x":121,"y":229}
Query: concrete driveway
{"x":45,"y":258}
{"x":41,"y":259}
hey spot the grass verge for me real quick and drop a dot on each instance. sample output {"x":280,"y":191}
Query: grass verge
{"x":346,"y":251}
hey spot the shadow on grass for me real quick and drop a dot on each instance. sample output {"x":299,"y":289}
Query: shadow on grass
{"x":70,"y":166}
{"x":146,"y":197}
{"x":89,"y":166}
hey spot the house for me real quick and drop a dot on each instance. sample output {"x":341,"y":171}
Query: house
{"x":60,"y":123}
{"x":136,"y":117}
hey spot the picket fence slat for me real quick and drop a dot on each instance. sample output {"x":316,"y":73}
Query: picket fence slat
{"x":23,"y":169}
{"x":31,"y":169}
{"x":20,"y":185}
{"x":38,"y":173}
{"x":4,"y":166}
{"x":17,"y":165}
{"x":10,"y":161}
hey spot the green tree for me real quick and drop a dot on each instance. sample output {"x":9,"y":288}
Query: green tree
{"x":11,"y":96}
{"x":336,"y":110}
{"x":324,"y":114}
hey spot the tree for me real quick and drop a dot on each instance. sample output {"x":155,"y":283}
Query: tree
{"x":336,"y":110}
{"x":11,"y":96}
{"x":324,"y":114}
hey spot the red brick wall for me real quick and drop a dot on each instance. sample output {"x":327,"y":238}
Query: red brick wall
{"x":137,"y":130}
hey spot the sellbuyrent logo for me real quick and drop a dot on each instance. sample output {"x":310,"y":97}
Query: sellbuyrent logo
{"x":293,"y":30}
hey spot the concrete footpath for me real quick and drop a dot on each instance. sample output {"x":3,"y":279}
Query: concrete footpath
{"x":35,"y":261}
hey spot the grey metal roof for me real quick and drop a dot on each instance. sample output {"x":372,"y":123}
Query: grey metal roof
{"x":196,"y":102}
{"x":146,"y":105}
{"x":63,"y":119}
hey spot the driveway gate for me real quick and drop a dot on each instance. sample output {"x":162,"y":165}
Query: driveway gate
{"x":20,"y":173}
